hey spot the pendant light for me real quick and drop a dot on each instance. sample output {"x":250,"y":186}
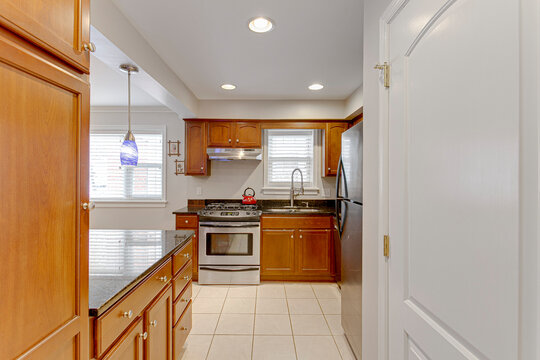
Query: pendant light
{"x":129,"y":153}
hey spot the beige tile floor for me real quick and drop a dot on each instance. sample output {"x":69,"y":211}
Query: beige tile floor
{"x":271,"y":321}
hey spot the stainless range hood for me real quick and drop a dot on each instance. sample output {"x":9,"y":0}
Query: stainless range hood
{"x":228,"y":154}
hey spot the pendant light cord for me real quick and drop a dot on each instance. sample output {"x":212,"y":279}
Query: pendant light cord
{"x":129,"y":100}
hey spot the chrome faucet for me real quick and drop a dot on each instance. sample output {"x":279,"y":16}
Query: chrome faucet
{"x":293,"y":190}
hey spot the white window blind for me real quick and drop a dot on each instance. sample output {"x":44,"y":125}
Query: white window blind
{"x":287,"y":150}
{"x":110,"y":181}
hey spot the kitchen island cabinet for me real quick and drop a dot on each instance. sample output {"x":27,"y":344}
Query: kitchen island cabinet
{"x":133,"y":290}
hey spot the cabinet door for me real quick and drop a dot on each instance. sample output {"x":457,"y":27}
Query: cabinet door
{"x":332,"y":147}
{"x":158,"y":324}
{"x":130,"y":346}
{"x":314,"y":252}
{"x":220,"y":134}
{"x":196,"y":158}
{"x":44,"y":240}
{"x":247,"y":135}
{"x":195,"y":254}
{"x":61,"y":27}
{"x":277,"y":252}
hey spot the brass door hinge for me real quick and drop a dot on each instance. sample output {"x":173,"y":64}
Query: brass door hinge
{"x":386,"y":246}
{"x":386,"y":73}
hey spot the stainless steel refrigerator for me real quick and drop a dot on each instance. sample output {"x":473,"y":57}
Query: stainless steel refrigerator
{"x":349,"y":221}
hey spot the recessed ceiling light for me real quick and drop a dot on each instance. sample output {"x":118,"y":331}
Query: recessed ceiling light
{"x":315,"y":87}
{"x":228,"y":87}
{"x":260,"y":25}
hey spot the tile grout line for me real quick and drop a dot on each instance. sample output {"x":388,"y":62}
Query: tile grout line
{"x":254,"y":317}
{"x":290,"y":321}
{"x":219,"y":317}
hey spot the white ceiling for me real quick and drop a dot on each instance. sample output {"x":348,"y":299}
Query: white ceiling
{"x":109,"y":87}
{"x":207,"y":43}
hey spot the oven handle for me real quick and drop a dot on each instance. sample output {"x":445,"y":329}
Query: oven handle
{"x":228,"y":270}
{"x":229,"y":225}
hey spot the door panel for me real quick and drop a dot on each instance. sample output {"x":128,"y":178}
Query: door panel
{"x":277,"y":252}
{"x":58,"y":26}
{"x":247,"y":135}
{"x":44,"y":142}
{"x":158,"y":325}
{"x":453,"y":180}
{"x":220,"y":134}
{"x":332,"y":146}
{"x":130,"y":346}
{"x":314,"y":252}
{"x":196,"y":158}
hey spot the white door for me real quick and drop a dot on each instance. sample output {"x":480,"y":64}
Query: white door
{"x":453,"y":166}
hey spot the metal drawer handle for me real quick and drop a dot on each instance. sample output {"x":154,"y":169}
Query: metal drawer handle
{"x":153,"y":323}
{"x":144,"y":335}
{"x":187,"y":278}
{"x":128,"y":314}
{"x":186,"y":255}
{"x":163,"y":278}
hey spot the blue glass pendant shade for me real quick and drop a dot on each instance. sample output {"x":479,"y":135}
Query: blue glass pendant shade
{"x":129,"y":153}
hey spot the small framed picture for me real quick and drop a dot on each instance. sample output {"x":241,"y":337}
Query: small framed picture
{"x":174,"y":148}
{"x":179,"y":167}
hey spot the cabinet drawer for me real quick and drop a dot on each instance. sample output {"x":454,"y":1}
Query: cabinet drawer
{"x":180,"y":281}
{"x":181,"y":257}
{"x":113,"y":322}
{"x":181,"y":303}
{"x":187,"y":221}
{"x":129,"y":346}
{"x":296,"y":222}
{"x":181,"y":331}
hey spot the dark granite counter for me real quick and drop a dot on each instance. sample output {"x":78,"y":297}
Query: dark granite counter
{"x":121,"y":259}
{"x":323,"y":206}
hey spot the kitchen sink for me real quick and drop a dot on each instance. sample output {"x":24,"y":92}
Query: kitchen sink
{"x":289,"y":209}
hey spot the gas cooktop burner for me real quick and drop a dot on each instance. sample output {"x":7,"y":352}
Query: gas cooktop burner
{"x":230,"y":211}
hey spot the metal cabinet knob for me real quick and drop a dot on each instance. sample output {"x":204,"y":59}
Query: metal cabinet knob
{"x":183,"y":328}
{"x":292,"y":236}
{"x":184,"y":300}
{"x":89,"y":47}
{"x":202,"y":167}
{"x":187,"y":278}
{"x":163,"y":278}
{"x":89,"y":205}
{"x":187,"y":221}
{"x":230,"y":140}
{"x":328,"y":169}
{"x":153,"y":323}
{"x":186,"y":255}
{"x":301,"y":236}
{"x":128,"y":314}
{"x":237,"y":140}
{"x":144,"y":335}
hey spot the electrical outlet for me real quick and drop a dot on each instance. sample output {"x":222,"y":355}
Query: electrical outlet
{"x":198,"y":190}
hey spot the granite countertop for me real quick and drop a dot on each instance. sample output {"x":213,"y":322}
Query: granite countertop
{"x":121,"y":259}
{"x":324,"y":206}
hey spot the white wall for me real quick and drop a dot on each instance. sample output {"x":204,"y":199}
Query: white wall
{"x":228,"y":180}
{"x":373,"y":335}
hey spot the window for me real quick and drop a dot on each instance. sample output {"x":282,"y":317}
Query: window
{"x":286,"y":150}
{"x":111,"y":182}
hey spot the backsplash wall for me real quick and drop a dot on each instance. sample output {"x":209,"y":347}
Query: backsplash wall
{"x":228,"y":180}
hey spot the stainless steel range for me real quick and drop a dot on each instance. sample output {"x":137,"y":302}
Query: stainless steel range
{"x":229,"y":244}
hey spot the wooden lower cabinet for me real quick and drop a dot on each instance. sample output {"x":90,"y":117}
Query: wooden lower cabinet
{"x":191,"y":222}
{"x":277,"y":252}
{"x":181,"y":331}
{"x":130,"y":346}
{"x":314,"y":252}
{"x":158,"y":326}
{"x":297,"y":248}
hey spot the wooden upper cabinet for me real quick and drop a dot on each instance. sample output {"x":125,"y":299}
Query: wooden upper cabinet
{"x":196,"y":159}
{"x":314,"y":251}
{"x":332,"y":147}
{"x":44,"y":145}
{"x":247,"y":135}
{"x":158,"y":325}
{"x":220,"y":134}
{"x":234,"y":134}
{"x":61,"y":27}
{"x":277,"y":252}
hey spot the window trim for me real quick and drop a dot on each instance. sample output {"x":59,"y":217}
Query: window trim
{"x":317,"y":158}
{"x":153,"y":129}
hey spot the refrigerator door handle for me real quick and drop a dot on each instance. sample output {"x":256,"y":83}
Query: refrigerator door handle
{"x":341,"y":222}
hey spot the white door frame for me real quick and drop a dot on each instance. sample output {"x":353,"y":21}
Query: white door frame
{"x":529,"y":181}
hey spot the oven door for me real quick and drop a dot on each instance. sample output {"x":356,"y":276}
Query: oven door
{"x":229,"y":243}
